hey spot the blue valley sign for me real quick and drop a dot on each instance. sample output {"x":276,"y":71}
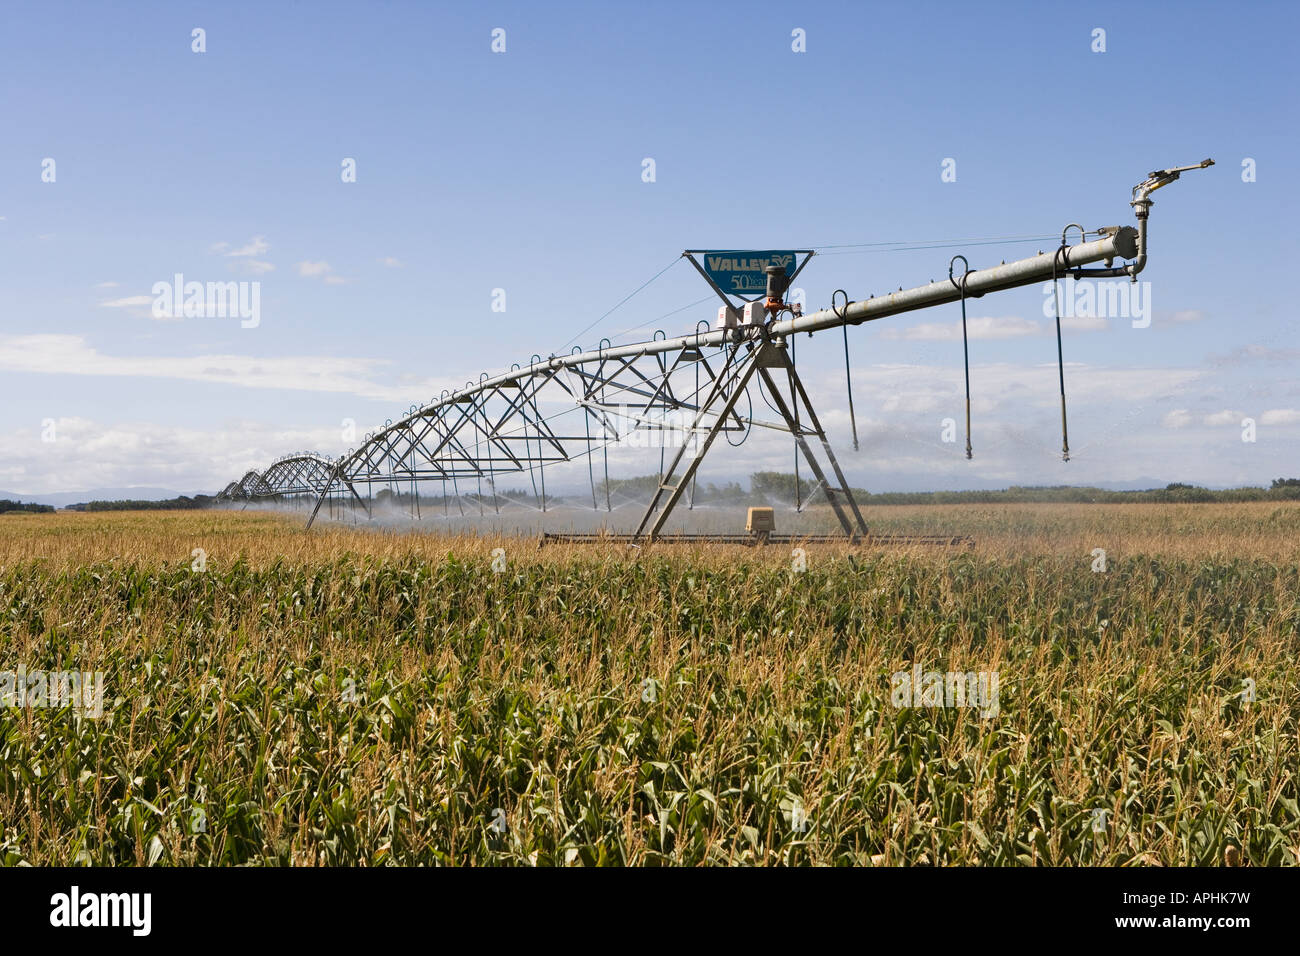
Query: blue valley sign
{"x":740,"y":272}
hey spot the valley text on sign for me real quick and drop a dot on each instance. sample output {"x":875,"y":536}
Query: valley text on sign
{"x":740,"y":272}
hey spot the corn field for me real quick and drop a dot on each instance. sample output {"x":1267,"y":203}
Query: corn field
{"x":368,"y":698}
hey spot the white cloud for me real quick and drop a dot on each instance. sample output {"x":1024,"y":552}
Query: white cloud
{"x":392,"y":263}
{"x":72,"y":355}
{"x":1184,"y":315}
{"x":102,"y":454}
{"x":1280,"y":416}
{"x":313,"y":269}
{"x":1084,"y":323}
{"x":140,"y":306}
{"x":256,"y":246}
{"x":1006,"y":327}
{"x":1255,"y":353}
{"x":1116,"y":416}
{"x":1225,"y":417}
{"x":320,"y":270}
{"x":246,"y":255}
{"x":1011,"y":390}
{"x":106,"y":285}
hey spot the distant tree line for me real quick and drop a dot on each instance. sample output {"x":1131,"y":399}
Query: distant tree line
{"x":31,"y":508}
{"x":167,"y":504}
{"x":772,"y":486}
{"x":768,"y":487}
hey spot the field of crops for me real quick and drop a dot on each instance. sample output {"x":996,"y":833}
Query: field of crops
{"x":354,"y":697}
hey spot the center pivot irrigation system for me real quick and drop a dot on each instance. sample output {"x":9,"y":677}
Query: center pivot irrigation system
{"x":694,"y":384}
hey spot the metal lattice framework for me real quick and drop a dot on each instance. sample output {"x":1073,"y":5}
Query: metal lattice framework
{"x":299,"y":474}
{"x":572,"y":407}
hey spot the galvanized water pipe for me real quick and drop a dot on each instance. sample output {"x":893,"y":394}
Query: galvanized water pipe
{"x":1122,"y":244}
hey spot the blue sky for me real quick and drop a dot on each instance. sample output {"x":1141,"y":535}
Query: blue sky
{"x":522,"y":171}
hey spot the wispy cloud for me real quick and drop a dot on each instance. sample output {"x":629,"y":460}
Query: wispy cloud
{"x":140,"y":306}
{"x":1228,"y":417}
{"x":1084,"y":323}
{"x":1248,"y":354}
{"x":1009,"y":389}
{"x":127,"y":302}
{"x":73,"y":355}
{"x":92,"y":453}
{"x":246,"y":255}
{"x":1280,"y":416}
{"x":988,"y":327}
{"x":257,"y":246}
{"x":313,"y":269}
{"x":1225,"y":417}
{"x":320,"y":270}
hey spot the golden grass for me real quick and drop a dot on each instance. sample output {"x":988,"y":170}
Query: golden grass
{"x":1268,"y":531}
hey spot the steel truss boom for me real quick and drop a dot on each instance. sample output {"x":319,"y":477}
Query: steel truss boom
{"x":564,"y":408}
